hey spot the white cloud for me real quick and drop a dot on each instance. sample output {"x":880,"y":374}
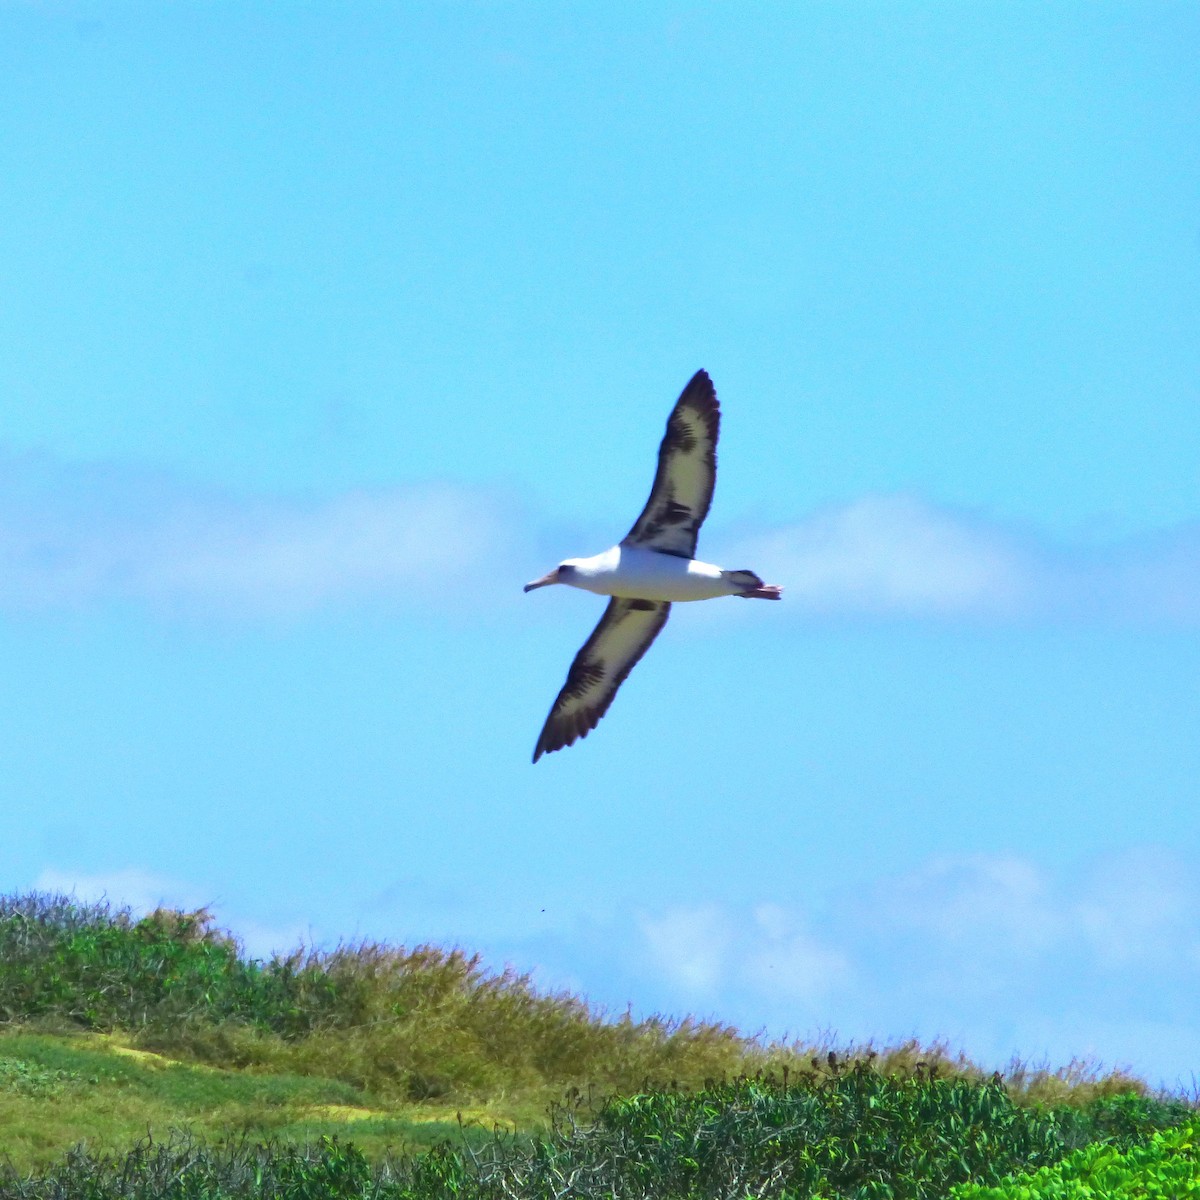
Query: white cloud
{"x":894,"y":555}
{"x":1133,"y":911}
{"x":784,"y":960}
{"x":704,"y":949}
{"x":398,"y":544}
{"x":80,"y":536}
{"x":88,"y":535}
{"x":1140,"y":910}
{"x":993,"y":900}
{"x":900,"y":556}
{"x":689,"y":945}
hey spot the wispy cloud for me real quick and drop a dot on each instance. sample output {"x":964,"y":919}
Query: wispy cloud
{"x":80,"y":536}
{"x":994,"y":952}
{"x":88,"y":535}
{"x":701,"y":949}
{"x":901,"y":556}
{"x":691,"y":945}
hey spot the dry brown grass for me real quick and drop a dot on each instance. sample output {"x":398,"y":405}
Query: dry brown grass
{"x":407,"y":1025}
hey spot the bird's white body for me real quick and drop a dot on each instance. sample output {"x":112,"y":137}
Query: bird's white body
{"x":638,"y":573}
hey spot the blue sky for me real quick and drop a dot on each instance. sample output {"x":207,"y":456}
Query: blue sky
{"x":323,"y":329}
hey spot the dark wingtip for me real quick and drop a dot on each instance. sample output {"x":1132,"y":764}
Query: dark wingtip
{"x":700,"y":390}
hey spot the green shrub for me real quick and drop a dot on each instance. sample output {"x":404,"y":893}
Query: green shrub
{"x":102,"y":969}
{"x":857,"y":1135}
{"x":1168,"y":1168}
{"x":183,"y":1169}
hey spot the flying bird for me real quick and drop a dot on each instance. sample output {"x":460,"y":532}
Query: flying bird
{"x":653,"y":566}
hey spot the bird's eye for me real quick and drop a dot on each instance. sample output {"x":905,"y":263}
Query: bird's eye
{"x":565,"y":569}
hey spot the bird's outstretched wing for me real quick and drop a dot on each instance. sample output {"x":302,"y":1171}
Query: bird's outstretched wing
{"x":687,"y":471}
{"x":622,"y":637}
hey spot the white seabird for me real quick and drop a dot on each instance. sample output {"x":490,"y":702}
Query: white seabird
{"x":648,"y":570}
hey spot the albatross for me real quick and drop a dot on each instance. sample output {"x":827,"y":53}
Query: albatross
{"x":651,"y":568}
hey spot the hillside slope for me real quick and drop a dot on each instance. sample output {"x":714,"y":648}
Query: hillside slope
{"x":115,"y":1029}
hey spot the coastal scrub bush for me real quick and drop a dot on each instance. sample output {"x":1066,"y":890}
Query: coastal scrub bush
{"x":1167,"y":1168}
{"x":858,"y":1136}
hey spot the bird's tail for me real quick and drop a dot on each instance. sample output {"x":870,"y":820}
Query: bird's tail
{"x":751,"y":587}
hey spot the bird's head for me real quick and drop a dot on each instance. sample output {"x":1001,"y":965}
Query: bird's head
{"x":561,"y":574}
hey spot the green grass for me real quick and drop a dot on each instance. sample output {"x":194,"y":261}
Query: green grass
{"x":345,"y":1061}
{"x":56,"y":1092}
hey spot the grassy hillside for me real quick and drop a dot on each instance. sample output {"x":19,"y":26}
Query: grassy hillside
{"x":111,"y":1027}
{"x":406,"y":1025}
{"x":57,"y":1091}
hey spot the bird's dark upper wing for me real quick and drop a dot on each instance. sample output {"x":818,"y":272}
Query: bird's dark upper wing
{"x":687,"y":471}
{"x":622,"y":637}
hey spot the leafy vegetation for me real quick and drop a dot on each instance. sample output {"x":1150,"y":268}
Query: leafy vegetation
{"x":1168,"y":1168}
{"x":251,"y":1076}
{"x":858,"y":1134}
